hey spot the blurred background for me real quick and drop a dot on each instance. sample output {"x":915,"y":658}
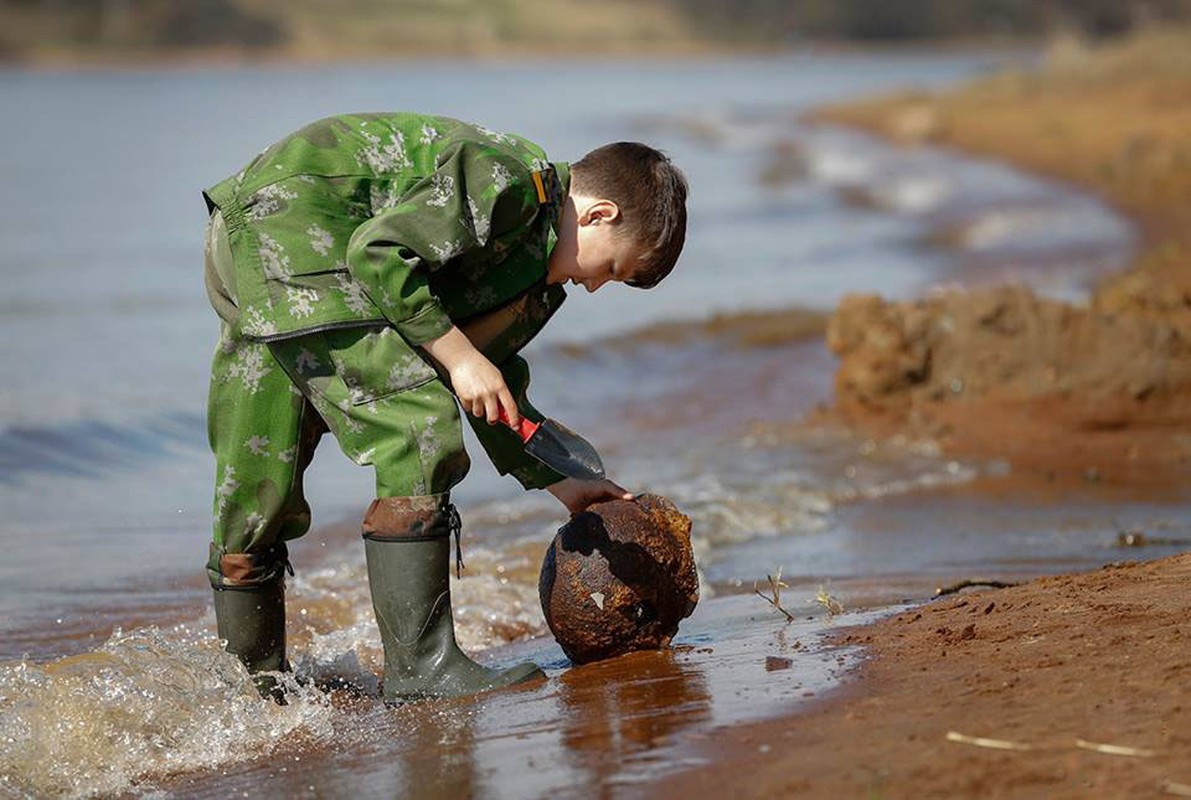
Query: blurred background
{"x":67,"y":31}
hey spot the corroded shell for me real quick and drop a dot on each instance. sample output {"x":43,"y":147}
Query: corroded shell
{"x":619,"y":577}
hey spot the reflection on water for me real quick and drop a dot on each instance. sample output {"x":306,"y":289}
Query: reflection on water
{"x":623,"y":709}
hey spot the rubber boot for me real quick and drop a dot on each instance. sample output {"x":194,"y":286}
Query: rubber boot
{"x":252,"y":621}
{"x":411,"y":596}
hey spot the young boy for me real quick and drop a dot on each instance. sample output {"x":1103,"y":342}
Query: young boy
{"x":369,"y":270}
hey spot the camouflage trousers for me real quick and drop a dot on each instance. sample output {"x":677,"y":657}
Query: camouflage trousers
{"x":269,"y":405}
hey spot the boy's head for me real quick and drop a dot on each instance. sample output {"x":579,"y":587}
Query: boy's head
{"x":624,"y":219}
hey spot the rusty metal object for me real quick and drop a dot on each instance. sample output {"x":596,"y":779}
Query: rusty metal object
{"x":619,"y":577}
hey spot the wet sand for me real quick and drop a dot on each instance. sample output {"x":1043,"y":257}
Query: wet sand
{"x":1067,"y":686}
{"x":996,"y":693}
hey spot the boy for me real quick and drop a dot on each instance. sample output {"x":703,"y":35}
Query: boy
{"x":368,"y":270}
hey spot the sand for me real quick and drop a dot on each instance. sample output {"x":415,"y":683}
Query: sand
{"x":1067,"y":686}
{"x":1049,"y":668}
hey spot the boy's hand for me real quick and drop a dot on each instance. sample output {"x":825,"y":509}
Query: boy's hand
{"x":577,"y":495}
{"x":477,"y":383}
{"x":481,"y":389}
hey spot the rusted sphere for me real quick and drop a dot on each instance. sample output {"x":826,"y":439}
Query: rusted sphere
{"x":619,"y":577}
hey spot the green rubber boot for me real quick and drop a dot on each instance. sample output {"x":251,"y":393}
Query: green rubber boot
{"x":410,"y":585}
{"x":252,"y":621}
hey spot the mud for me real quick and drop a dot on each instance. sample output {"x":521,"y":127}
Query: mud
{"x":1001,"y":372}
{"x":1046,"y":670}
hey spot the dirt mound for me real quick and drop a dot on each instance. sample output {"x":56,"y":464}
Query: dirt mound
{"x":1004,"y":372}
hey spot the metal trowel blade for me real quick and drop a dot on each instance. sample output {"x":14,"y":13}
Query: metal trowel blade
{"x":565,"y":451}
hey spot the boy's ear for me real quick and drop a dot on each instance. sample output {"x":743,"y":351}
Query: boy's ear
{"x":604,"y":211}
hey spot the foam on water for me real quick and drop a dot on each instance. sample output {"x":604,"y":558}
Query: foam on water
{"x":494,"y":602}
{"x":153,"y":702}
{"x":1040,"y":227}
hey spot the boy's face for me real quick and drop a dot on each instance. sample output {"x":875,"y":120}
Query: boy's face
{"x":591,"y":250}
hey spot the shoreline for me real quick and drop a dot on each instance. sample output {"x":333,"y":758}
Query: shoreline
{"x":1063,"y":686}
{"x":998,"y":693}
{"x":1056,"y":389}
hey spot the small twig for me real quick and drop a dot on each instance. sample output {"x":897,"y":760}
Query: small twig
{"x":832,"y":604}
{"x":1177,"y":789}
{"x":993,"y":744}
{"x":775,"y":587}
{"x":1083,"y":744}
{"x":1115,"y":749}
{"x":955,"y":587}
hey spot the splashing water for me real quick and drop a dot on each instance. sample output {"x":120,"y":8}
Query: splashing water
{"x":146,"y":704}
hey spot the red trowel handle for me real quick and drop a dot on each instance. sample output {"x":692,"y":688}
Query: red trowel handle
{"x":526,"y":429}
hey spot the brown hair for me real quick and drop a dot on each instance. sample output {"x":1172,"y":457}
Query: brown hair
{"x":651,"y":193}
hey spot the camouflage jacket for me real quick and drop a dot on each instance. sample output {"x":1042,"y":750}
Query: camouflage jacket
{"x":409,"y":220}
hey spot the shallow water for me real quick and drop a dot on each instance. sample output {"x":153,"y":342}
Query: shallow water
{"x":105,"y":479}
{"x":106,"y":332}
{"x":611,"y":724}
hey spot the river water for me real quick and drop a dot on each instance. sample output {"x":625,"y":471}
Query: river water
{"x":111,"y":680}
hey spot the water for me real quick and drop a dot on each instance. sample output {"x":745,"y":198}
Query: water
{"x":106,"y":327}
{"x":105,"y":479}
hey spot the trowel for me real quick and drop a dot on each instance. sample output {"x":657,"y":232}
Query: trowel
{"x":559,"y":448}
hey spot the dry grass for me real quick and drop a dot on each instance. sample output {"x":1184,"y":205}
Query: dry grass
{"x":774,"y":597}
{"x":473,"y":27}
{"x":318,"y":30}
{"x":829,"y":601}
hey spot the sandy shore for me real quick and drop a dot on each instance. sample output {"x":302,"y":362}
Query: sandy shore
{"x":997,"y":693}
{"x":1068,"y":686}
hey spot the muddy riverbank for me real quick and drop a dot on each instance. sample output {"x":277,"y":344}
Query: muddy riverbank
{"x":1068,"y":686}
{"x":1101,"y":388}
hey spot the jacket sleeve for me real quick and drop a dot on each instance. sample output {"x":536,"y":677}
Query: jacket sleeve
{"x":504,"y":447}
{"x":471,"y":198}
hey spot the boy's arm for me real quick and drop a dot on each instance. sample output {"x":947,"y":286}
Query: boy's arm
{"x":507,"y":452}
{"x":469,"y":199}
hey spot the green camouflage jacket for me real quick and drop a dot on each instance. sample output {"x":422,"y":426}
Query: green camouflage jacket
{"x":403,"y":219}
